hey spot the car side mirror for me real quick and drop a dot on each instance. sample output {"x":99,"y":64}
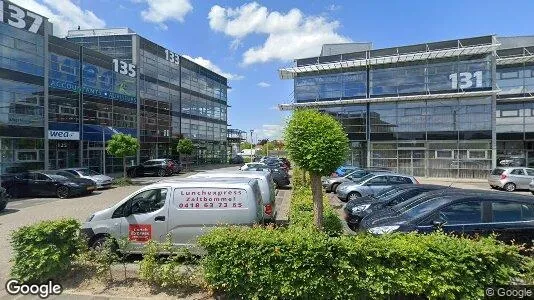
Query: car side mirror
{"x":438,"y":223}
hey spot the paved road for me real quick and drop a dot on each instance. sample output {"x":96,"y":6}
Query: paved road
{"x":21,"y":212}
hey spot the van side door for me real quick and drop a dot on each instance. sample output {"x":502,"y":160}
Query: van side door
{"x":144,"y":217}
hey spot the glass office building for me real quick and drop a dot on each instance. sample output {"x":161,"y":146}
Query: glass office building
{"x":60,"y":101}
{"x":444,"y":109}
{"x":178,"y":98}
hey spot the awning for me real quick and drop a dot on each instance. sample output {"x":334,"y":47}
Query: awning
{"x":96,"y":133}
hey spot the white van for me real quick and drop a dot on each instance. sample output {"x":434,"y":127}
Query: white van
{"x":265,"y":182}
{"x":183,"y":209}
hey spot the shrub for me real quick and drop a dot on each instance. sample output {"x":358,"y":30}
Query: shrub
{"x":299,"y":179}
{"x":295,"y":263}
{"x":45,"y":250}
{"x":301,"y":212}
{"x":122,"y":181}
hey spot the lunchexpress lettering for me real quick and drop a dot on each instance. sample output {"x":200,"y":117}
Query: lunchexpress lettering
{"x":210,"y":198}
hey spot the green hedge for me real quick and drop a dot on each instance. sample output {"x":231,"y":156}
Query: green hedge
{"x":301,"y":212}
{"x":258,"y":263}
{"x":45,"y":250}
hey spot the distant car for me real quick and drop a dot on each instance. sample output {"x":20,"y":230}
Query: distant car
{"x":4,"y":198}
{"x":330,"y":184}
{"x":252,"y":165}
{"x":371,"y":184}
{"x":177,"y":167}
{"x":280,"y":177}
{"x":343,"y":170}
{"x":466,"y":212}
{"x":511,"y":178}
{"x":238,"y":159}
{"x":286,"y":161}
{"x":155,"y":167}
{"x":48,"y":183}
{"x":102,"y":181}
{"x":356,"y":210}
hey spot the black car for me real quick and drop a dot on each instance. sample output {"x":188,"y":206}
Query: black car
{"x":47,"y":183}
{"x":356,"y":210}
{"x":155,"y":167}
{"x":466,"y":212}
{"x":4,"y":198}
{"x":280,"y":177}
{"x":237,"y":160}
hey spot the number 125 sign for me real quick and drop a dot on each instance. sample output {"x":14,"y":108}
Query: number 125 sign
{"x":20,"y":18}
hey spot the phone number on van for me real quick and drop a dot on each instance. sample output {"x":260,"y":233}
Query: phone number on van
{"x":211,"y":205}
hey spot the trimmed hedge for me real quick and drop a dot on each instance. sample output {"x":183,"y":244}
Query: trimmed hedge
{"x":301,"y":212}
{"x":45,"y":250}
{"x":259,"y":263}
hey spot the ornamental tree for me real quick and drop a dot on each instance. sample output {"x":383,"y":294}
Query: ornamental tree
{"x":317,"y":143}
{"x":185,"y":146}
{"x":122,"y":145}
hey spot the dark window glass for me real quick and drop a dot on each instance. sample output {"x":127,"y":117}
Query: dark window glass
{"x":506,"y":211}
{"x":148,"y":201}
{"x":380,"y":180}
{"x":530,"y":172}
{"x":527,"y":212}
{"x":66,"y":174}
{"x":462,"y":213}
{"x":398,"y":180}
{"x":39,"y":176}
{"x":517,"y":172}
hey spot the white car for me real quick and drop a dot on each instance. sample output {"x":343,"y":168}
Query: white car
{"x":102,"y":181}
{"x":253,"y":165}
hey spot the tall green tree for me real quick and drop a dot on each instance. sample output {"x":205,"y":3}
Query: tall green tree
{"x":122,"y":145}
{"x":317,"y":143}
{"x":185,"y":146}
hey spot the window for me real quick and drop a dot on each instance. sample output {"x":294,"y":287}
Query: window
{"x":27,"y":155}
{"x":506,"y":212}
{"x":462,"y":213}
{"x":530,"y":172}
{"x":443,"y":153}
{"x":476,"y":154}
{"x":148,"y":201}
{"x":42,"y":177}
{"x":380,"y":180}
{"x":66,"y":110}
{"x":517,"y":172}
{"x":398,"y":180}
{"x":67,"y":174}
{"x":509,"y":113}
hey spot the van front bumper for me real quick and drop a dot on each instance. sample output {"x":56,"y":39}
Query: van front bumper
{"x":87,"y":233}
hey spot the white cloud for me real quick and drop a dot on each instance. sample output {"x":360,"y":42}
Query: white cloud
{"x":291,"y":35}
{"x":64,"y":14}
{"x":206,"y":63}
{"x":264,"y":84}
{"x":160,"y":11}
{"x":271,"y":132}
{"x":334,"y":7}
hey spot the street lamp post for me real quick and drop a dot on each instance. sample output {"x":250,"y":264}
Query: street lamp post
{"x":251,"y":143}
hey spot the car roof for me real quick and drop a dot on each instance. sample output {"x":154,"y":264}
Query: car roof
{"x":232,"y":174}
{"x":206,"y":182}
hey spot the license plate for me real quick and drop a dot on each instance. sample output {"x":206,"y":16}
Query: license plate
{"x":90,"y":188}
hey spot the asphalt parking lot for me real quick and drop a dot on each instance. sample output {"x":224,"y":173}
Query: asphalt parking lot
{"x":21,"y":212}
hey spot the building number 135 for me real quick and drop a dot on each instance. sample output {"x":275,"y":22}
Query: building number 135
{"x":465,"y":80}
{"x":124,"y":68}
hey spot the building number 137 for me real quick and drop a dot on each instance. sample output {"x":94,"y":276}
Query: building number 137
{"x":465,"y":80}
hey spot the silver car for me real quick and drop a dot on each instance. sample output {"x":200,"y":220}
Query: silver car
{"x":102,"y":181}
{"x":371,"y":184}
{"x":330,"y":184}
{"x":511,"y":178}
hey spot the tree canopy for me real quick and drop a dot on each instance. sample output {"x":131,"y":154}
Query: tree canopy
{"x":122,"y":145}
{"x":185,"y":146}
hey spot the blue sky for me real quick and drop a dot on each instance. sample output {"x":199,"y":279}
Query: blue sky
{"x":248,"y":41}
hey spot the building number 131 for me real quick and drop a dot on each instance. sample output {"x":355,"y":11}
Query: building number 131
{"x":465,"y":80}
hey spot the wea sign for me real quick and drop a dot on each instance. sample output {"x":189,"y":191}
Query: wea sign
{"x":63,"y":135}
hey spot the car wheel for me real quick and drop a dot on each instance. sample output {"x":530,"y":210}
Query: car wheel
{"x":353,"y":227}
{"x":62,"y":192}
{"x":509,"y":187}
{"x":353,"y":196}
{"x":334,"y":187}
{"x":131,"y":174}
{"x":100,"y":241}
{"x":494,"y":187}
{"x":13,"y":193}
{"x":162,"y":173}
{"x":3,"y":205}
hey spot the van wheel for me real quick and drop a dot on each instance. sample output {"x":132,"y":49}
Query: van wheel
{"x":162,"y":173}
{"x":62,"y":192}
{"x":100,"y":241}
{"x":509,"y":187}
{"x":353,"y":196}
{"x":334,"y":187}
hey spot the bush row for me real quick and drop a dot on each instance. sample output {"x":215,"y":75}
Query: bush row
{"x":301,"y":212}
{"x":258,"y":263}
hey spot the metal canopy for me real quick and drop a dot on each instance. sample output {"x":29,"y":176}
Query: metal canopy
{"x":515,"y":60}
{"x":291,"y":72}
{"x":292,"y":106}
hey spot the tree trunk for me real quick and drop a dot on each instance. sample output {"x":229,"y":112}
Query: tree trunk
{"x":317,"y":192}
{"x":124,"y":166}
{"x":304,"y":181}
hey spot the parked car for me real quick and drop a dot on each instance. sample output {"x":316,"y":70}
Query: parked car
{"x":356,"y":210}
{"x":467,"y":212}
{"x":252,"y":165}
{"x":180,"y":209}
{"x":511,"y":178}
{"x":531,"y":187}
{"x":4,"y":198}
{"x":102,"y":181}
{"x":330,"y":184}
{"x":265,"y":181}
{"x":275,"y":163}
{"x":177,"y":167}
{"x":238,"y":159}
{"x":155,"y":167}
{"x":343,"y":170}
{"x":286,"y":161}
{"x":371,"y":184}
{"x":48,"y":183}
{"x":280,"y":177}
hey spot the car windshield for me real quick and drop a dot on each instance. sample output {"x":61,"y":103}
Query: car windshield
{"x":417,"y":208}
{"x":355,"y":174}
{"x":364,"y":178}
{"x":389,"y":193}
{"x":87,"y":172}
{"x":57,"y":177}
